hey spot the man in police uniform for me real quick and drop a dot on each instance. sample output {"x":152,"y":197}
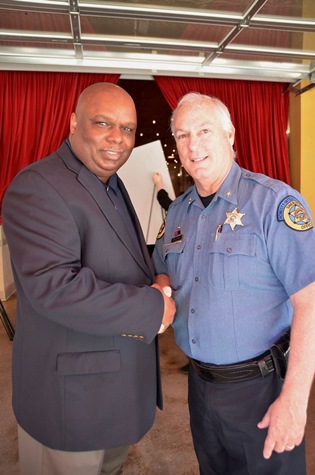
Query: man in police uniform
{"x":238,"y":249}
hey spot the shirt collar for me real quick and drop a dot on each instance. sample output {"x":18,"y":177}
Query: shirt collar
{"x":229,"y":188}
{"x":227,"y":191}
{"x":113,"y":183}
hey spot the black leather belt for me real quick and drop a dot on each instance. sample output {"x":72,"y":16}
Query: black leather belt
{"x":261,"y":366}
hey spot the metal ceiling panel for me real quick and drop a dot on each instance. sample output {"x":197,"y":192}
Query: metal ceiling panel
{"x":261,"y":39}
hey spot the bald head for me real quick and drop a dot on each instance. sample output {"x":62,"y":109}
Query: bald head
{"x":99,"y":89}
{"x":103,"y":128}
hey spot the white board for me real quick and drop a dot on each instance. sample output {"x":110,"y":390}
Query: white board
{"x":136,"y":174}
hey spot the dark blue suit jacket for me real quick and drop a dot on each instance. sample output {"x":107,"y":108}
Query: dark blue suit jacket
{"x":85,"y":365}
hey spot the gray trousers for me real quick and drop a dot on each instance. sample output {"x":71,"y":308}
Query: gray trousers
{"x":37,"y":459}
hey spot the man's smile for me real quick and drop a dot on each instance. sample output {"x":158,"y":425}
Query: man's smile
{"x":198,"y":159}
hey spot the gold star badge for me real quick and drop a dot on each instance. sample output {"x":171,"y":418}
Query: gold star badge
{"x":228,"y":193}
{"x":234,"y":218}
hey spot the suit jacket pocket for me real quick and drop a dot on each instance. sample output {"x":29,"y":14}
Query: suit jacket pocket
{"x":90,"y":362}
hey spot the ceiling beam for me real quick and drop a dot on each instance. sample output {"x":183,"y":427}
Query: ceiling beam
{"x":150,"y":43}
{"x":74,"y":15}
{"x":45,"y":6}
{"x":244,"y":23}
{"x":158,"y":13}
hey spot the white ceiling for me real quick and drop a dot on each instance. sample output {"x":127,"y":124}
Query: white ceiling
{"x":271,"y":40}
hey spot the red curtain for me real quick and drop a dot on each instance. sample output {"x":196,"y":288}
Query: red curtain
{"x":35,"y":109}
{"x":259,"y":112}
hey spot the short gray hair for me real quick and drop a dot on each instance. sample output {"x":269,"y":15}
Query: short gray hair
{"x":201,"y":99}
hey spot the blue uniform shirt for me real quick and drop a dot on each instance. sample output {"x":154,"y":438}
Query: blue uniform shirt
{"x":234,"y":264}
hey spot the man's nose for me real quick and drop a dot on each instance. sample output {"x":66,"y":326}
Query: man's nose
{"x":115,"y":135}
{"x":193,"y":142}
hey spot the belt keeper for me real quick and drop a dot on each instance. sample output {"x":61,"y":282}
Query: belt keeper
{"x":263,"y":368}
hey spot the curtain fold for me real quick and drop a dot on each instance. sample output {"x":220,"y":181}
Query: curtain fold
{"x":259,"y":112}
{"x":35,"y":109}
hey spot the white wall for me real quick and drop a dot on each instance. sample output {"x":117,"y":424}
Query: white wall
{"x":136,"y":174}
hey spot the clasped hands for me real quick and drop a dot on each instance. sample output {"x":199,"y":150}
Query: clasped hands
{"x":169,"y":305}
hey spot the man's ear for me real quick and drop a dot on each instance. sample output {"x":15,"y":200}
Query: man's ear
{"x":73,"y":122}
{"x":231,"y":135}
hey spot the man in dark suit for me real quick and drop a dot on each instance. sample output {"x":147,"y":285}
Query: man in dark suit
{"x":86,"y":377}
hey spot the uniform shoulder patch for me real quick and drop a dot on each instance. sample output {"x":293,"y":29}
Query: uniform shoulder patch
{"x":294,"y":214}
{"x":161,"y":231}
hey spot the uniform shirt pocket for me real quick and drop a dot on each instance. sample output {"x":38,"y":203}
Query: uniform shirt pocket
{"x":176,"y":247}
{"x":233,"y":261}
{"x":91,"y":362}
{"x":172,"y":254}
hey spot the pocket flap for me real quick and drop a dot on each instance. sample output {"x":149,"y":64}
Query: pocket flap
{"x":88,"y":362}
{"x":240,"y":244}
{"x":176,"y":247}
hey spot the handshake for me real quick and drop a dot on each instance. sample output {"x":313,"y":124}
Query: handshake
{"x":169,"y":304}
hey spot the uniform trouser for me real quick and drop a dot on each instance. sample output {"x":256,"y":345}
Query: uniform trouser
{"x":37,"y":459}
{"x":223,"y":420}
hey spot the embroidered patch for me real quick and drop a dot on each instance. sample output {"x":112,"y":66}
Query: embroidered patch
{"x":161,"y":231}
{"x":293,"y":213}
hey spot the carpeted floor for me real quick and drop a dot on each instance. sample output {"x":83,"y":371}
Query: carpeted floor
{"x":165,"y":450}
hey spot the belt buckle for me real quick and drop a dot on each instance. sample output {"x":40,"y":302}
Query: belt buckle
{"x":262,"y":364}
